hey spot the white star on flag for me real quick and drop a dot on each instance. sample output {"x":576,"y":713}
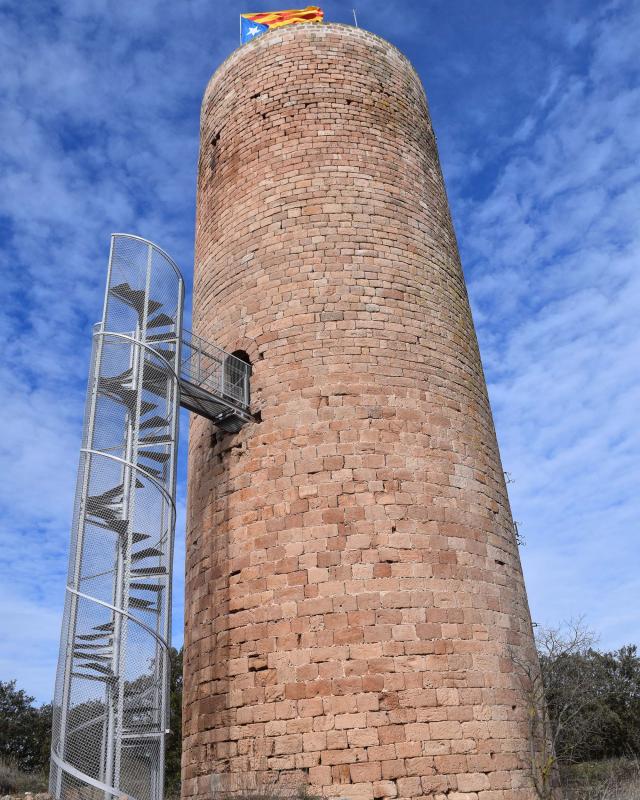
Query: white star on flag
{"x":253,"y":31}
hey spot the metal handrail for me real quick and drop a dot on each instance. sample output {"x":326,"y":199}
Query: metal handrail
{"x":154,"y":247}
{"x":212,"y":369}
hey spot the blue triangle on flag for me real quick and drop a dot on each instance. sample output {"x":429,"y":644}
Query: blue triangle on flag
{"x":249,"y":29}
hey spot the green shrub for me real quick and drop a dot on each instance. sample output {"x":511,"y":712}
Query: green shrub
{"x":25,"y":731}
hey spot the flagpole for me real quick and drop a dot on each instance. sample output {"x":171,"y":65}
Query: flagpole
{"x":355,"y":19}
{"x":240,"y":33}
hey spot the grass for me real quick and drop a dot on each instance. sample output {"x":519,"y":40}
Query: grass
{"x":265,"y":794}
{"x":249,"y":787}
{"x":13,"y":780}
{"x":615,"y":779}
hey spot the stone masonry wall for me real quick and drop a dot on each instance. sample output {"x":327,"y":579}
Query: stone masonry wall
{"x":353,"y":590}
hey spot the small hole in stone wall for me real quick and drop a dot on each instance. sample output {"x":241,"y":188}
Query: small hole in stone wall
{"x":497,"y":560}
{"x":258,"y":416}
{"x":214,"y":150}
{"x":256,"y":95}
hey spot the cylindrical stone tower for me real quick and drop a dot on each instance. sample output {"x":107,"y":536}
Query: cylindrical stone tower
{"x":354,"y":593}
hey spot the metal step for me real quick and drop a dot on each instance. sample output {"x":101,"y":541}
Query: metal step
{"x":146,"y":553}
{"x":140,"y":572}
{"x":147,"y":587}
{"x":154,"y":422}
{"x":134,"y":298}
{"x":161,"y":458}
{"x":161,"y":321}
{"x":166,"y":439}
{"x":143,"y":605}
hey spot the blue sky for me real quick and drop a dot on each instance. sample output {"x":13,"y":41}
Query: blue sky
{"x":537,"y":111}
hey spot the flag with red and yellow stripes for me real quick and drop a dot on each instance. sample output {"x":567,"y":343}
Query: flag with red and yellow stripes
{"x":252,"y":25}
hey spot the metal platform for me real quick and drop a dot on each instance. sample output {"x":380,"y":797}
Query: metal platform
{"x":214,"y":383}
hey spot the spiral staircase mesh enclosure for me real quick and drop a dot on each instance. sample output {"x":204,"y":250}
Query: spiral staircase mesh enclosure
{"x":111,"y":705}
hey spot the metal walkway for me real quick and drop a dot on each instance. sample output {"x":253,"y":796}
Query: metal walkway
{"x":214,"y":383}
{"x":111,"y":712}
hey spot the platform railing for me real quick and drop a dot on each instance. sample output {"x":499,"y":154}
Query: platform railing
{"x":215,"y":371}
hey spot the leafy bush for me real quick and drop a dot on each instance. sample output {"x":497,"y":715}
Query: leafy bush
{"x":595,"y":697}
{"x":25,"y":731}
{"x":173,"y":753}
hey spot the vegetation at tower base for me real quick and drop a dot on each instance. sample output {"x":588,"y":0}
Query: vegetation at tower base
{"x":583,"y":707}
{"x":25,"y":741}
{"x":173,"y":752}
{"x":25,"y":736}
{"x":25,"y":731}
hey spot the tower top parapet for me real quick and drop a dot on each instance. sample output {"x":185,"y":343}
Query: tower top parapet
{"x":304,"y":31}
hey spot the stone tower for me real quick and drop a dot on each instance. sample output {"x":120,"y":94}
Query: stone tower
{"x":354,"y":591}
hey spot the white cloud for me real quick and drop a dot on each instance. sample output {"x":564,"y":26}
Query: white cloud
{"x":30,"y":633}
{"x":552,"y":255}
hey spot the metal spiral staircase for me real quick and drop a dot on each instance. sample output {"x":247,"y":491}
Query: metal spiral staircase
{"x":111,"y":711}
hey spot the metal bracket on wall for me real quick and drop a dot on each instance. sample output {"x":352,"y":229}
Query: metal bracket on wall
{"x":111,"y":710}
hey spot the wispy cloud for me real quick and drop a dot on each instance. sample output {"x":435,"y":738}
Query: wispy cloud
{"x":552,"y":256}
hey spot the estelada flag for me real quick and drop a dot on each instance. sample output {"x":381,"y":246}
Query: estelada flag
{"x":252,"y":25}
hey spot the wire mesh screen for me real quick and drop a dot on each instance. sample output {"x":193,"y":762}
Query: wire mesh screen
{"x":111,"y":703}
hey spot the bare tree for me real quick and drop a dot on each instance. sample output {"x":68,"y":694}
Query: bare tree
{"x":556,"y":697}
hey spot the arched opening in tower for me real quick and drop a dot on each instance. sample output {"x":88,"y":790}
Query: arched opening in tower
{"x":236,"y":377}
